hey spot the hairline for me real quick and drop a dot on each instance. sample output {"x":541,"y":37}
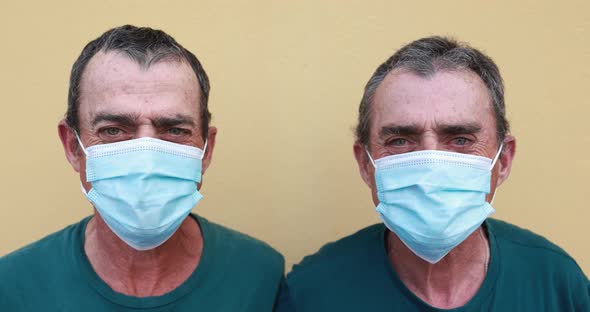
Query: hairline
{"x":437,"y":68}
{"x":150,"y":61}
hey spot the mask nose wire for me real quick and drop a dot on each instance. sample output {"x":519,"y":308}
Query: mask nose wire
{"x":370,"y":158}
{"x":373,"y":162}
{"x":80,"y":142}
{"x":86,"y":153}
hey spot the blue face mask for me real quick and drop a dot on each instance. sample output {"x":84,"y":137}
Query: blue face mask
{"x":143,"y":188}
{"x":433,"y":200}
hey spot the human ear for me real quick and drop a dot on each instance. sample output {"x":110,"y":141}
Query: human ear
{"x":505,"y":159}
{"x":212,"y":134}
{"x":365,"y":165}
{"x":70,"y":145}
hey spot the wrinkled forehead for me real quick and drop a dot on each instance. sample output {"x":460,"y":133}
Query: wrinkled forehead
{"x":114,"y":81}
{"x":449,"y":96}
{"x":107,"y":70}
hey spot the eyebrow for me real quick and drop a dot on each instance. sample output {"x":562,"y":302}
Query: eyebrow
{"x":468,"y":128}
{"x":131,"y":120}
{"x":413,"y":129}
{"x":391,"y":130}
{"x":125,"y":119}
{"x":179,"y":119}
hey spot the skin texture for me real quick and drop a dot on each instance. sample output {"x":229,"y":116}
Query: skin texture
{"x":450,"y":111}
{"x":121,"y":101}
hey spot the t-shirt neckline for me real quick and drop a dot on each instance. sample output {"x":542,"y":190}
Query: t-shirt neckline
{"x":484,"y":291}
{"x":198,"y":276}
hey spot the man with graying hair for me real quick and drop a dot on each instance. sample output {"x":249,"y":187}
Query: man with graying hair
{"x":137,"y":132}
{"x":433,"y":145}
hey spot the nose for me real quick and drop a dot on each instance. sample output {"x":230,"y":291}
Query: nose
{"x":429,"y":142}
{"x":146,"y":130}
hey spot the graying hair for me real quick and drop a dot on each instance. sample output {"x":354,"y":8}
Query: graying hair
{"x":146,"y":46}
{"x":427,"y":56}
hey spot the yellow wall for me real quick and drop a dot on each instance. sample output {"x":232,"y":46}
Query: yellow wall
{"x":287,"y":77}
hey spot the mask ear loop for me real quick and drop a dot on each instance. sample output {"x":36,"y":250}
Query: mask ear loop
{"x":492,"y":167}
{"x":80,"y":142}
{"x":370,"y":158}
{"x":497,"y":156}
{"x":204,"y":149}
{"x":85,"y":153}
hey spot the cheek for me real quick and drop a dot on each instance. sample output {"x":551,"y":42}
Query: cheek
{"x":493,"y":185}
{"x":87,"y":185}
{"x":374,"y":195}
{"x":373,"y":186}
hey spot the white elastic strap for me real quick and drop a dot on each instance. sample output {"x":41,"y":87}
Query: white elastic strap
{"x":497,"y":156}
{"x":83,"y":189}
{"x":493,"y":196}
{"x":80,"y":141}
{"x":370,"y":158}
{"x":204,"y":149}
{"x":492,"y":167}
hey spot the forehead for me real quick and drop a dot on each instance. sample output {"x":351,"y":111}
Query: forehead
{"x":449,"y":97}
{"x":114,"y":82}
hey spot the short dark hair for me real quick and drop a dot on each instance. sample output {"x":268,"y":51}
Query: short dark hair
{"x":427,"y":56}
{"x":146,"y":46}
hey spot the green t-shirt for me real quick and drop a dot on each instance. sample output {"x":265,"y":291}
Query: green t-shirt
{"x":235,"y":273}
{"x":526,"y":273}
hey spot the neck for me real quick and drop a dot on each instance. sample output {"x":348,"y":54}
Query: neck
{"x":449,"y":283}
{"x":143,"y":273}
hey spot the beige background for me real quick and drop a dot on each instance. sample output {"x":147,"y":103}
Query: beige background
{"x":287,"y":77}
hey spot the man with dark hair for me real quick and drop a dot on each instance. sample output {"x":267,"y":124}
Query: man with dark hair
{"x":433,"y":145}
{"x":137,"y":131}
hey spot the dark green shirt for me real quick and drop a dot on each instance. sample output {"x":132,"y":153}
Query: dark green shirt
{"x":235,"y":273}
{"x":526,"y":273}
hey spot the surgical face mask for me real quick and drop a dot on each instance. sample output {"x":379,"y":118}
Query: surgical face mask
{"x":433,"y":200}
{"x":143,"y":188}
